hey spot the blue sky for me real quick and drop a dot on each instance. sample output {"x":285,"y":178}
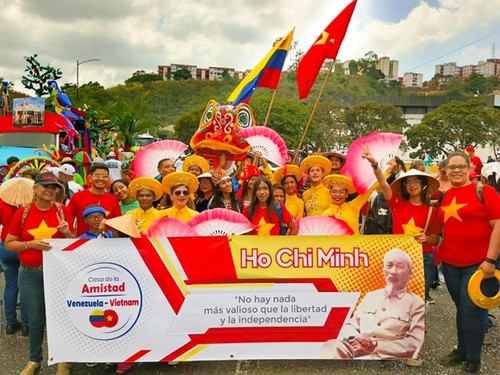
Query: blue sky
{"x":131,"y":35}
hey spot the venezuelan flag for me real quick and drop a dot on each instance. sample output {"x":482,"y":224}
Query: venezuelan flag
{"x":96,"y":318}
{"x":265,"y":74}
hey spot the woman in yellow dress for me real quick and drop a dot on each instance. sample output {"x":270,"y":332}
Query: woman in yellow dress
{"x":146,"y":190}
{"x":289,"y":178}
{"x":340,"y":187}
{"x":180,"y":186}
{"x":317,"y":197}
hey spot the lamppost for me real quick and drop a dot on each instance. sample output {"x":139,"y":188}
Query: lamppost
{"x":78,"y":63}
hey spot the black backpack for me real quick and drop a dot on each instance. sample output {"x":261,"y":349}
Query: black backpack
{"x":379,"y":218}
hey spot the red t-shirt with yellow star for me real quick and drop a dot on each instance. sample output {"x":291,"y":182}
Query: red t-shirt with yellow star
{"x":466,"y":227}
{"x":38,"y":225}
{"x":268,"y":226}
{"x":408,"y":218}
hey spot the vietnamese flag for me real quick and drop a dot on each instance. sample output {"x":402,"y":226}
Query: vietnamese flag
{"x":110,"y":318}
{"x":326,"y":46}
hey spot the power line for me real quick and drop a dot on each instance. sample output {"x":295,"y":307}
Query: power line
{"x":455,"y":50}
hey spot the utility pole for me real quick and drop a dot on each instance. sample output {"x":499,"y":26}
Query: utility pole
{"x":78,"y":63}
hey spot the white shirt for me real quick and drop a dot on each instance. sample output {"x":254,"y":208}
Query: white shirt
{"x":115,"y":169}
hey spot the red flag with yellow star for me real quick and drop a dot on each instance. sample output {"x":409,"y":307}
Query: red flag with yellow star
{"x":326,"y":46}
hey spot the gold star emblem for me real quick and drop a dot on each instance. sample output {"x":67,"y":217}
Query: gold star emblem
{"x":411,"y":228}
{"x":264,"y":228}
{"x":452,"y":210}
{"x":43,"y":231}
{"x":324,"y":38}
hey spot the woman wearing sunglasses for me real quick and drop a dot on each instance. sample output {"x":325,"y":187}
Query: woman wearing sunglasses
{"x":180,"y":186}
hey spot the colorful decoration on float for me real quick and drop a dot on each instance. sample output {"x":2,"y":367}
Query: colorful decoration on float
{"x":38,"y":76}
{"x":219,"y":134}
{"x":5,"y":101}
{"x":40,"y":163}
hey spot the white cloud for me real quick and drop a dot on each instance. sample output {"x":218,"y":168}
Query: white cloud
{"x":130,"y":35}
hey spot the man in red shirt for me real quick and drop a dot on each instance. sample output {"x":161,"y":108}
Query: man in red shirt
{"x":96,"y":194}
{"x":475,"y":161}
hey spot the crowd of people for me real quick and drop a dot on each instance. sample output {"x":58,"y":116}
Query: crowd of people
{"x":443,"y":213}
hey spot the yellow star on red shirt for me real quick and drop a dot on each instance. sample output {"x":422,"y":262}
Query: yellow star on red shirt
{"x":452,"y":210}
{"x":43,"y":231}
{"x":411,"y":228}
{"x":264,"y":228}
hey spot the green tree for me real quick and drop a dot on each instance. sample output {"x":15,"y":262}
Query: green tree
{"x":182,"y":74}
{"x":353,"y":67}
{"x":364,"y":118}
{"x":368,"y":66}
{"x":296,"y":54}
{"x":141,"y":76}
{"x":129,"y":118}
{"x":477,"y":84}
{"x":330,"y":131}
{"x":453,"y":126}
{"x":187,"y":124}
{"x":288,"y":116}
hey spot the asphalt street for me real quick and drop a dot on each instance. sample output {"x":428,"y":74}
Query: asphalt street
{"x":440,"y":340}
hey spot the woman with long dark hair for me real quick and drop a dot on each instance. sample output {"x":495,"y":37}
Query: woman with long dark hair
{"x":205,"y":192}
{"x":264,"y":210}
{"x":224,"y":196}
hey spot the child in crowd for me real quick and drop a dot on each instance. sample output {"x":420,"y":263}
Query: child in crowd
{"x":95,"y":217}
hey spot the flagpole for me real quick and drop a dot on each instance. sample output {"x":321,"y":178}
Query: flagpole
{"x":312,"y":113}
{"x":270,"y":107}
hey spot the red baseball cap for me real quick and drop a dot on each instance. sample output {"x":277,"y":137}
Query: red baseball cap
{"x":470,"y":149}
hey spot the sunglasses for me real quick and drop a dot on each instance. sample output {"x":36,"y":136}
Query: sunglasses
{"x":178,"y":193}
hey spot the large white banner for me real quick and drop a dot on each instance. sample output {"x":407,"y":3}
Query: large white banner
{"x":189,"y":299}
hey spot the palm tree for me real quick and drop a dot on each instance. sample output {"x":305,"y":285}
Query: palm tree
{"x":129,"y":118}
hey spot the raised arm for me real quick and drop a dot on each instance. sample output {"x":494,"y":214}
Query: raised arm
{"x":384,"y":186}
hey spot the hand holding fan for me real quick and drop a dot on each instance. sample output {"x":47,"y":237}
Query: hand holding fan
{"x":169,"y":227}
{"x":220,"y":222}
{"x":322,"y":226}
{"x":383,"y":146}
{"x":267,"y":142}
{"x":145,"y":163}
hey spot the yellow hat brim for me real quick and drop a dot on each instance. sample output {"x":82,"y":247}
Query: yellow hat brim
{"x":195,"y":160}
{"x":180,"y":178}
{"x":291,"y":170}
{"x":341,"y":180}
{"x":477,"y":296}
{"x":316,"y":161}
{"x":149,"y":183}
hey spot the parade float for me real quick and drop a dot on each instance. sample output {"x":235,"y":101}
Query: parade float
{"x":41,"y":131}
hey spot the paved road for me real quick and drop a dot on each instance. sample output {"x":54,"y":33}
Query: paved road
{"x":440,"y":340}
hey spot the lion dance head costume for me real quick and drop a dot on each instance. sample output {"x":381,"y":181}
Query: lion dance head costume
{"x":218,"y":137}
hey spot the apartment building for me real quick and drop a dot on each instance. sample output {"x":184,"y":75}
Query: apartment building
{"x":413,"y":79}
{"x":203,"y":74}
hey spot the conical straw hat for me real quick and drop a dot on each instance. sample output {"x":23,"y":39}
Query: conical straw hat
{"x":17,"y":191}
{"x":124,"y":224}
